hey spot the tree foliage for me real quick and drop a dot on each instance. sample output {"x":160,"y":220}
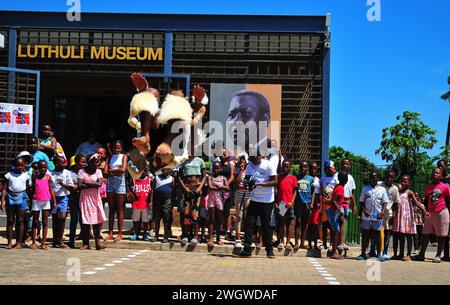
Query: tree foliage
{"x":404,"y":145}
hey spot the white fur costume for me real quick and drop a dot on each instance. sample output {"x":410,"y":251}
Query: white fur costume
{"x":144,"y":101}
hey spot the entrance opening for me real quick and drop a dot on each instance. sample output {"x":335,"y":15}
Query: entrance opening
{"x":76,"y":104}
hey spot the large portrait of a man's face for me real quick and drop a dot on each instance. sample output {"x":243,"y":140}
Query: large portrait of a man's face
{"x":250,"y":114}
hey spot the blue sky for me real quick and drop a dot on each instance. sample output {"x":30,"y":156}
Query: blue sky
{"x":378,"y":69}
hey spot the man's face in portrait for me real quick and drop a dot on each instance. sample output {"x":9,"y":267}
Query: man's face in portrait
{"x":247,"y":106}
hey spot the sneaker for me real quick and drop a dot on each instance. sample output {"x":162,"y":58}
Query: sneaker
{"x":362,"y":257}
{"x":134,"y":237}
{"x":152,"y":233}
{"x":380,"y":258}
{"x":145,"y":238}
{"x":270,"y":255}
{"x":194,"y":242}
{"x":238,"y":244}
{"x":437,"y":260}
{"x":345,"y":247}
{"x":184,"y":241}
{"x":445,"y":258}
{"x":165,"y":241}
{"x":372,"y":254}
{"x":153,"y":239}
{"x":253,"y":246}
{"x":386,"y":257}
{"x":336,"y":256}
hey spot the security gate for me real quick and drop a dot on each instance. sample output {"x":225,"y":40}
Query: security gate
{"x":17,"y":86}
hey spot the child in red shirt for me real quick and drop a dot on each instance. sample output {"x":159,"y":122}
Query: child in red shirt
{"x":143,"y":195}
{"x":335,"y":213}
{"x":287,"y":191}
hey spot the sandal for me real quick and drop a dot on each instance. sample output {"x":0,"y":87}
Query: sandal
{"x":9,"y":247}
{"x":220,"y":243}
{"x":33,"y":247}
{"x":289,"y":247}
{"x":44,"y":247}
{"x":280,"y":246}
{"x":210,"y":244}
{"x":85,"y":247}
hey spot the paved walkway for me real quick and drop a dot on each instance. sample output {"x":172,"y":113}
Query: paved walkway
{"x":129,"y":266}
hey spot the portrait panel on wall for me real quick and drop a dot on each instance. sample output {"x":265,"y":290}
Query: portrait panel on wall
{"x":249,"y":113}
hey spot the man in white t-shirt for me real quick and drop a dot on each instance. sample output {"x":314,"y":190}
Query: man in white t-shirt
{"x":260,"y":179}
{"x":349,"y":198}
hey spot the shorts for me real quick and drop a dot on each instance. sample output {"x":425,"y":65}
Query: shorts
{"x":116,"y":185}
{"x":437,"y":224}
{"x":375,"y":225}
{"x":346,"y":210}
{"x":215,"y":200}
{"x":61,"y":206}
{"x":240,"y":205}
{"x":302,"y":213}
{"x":163,"y":209}
{"x":288,"y":216}
{"x":314,"y":217}
{"x":334,"y":220}
{"x":17,"y":201}
{"x":41,"y":205}
{"x":140,"y":215}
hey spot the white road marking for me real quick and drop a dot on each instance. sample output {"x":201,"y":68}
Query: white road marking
{"x":99,"y":268}
{"x":117,"y":262}
{"x":109,"y":265}
{"x":131,"y":255}
{"x":322,"y":271}
{"x":89,"y":272}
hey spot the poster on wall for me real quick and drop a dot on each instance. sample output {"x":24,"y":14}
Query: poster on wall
{"x":16,"y":118}
{"x":235,"y":105}
{"x":5,"y":117}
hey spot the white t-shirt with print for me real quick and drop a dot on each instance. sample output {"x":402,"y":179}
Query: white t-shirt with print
{"x":262,"y":173}
{"x":17,"y":182}
{"x":65,"y":178}
{"x":373,"y":198}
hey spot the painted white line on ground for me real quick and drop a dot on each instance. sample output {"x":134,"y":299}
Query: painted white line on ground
{"x":125,"y":259}
{"x":99,"y":268}
{"x":322,"y":271}
{"x":109,"y":265}
{"x":117,"y":262}
{"x":131,"y":255}
{"x":89,"y":272}
{"x":143,"y":251}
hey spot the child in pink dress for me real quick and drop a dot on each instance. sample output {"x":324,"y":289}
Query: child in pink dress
{"x":91,"y":207}
{"x":218,"y":184}
{"x":404,"y":224}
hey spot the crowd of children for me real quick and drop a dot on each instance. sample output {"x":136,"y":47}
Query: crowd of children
{"x":312,"y":208}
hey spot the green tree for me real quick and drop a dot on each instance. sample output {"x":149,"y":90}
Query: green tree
{"x":404,"y":145}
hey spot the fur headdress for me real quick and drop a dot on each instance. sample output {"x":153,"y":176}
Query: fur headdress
{"x":175,"y":108}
